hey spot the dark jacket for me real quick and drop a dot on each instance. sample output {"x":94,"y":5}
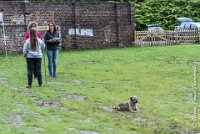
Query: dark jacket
{"x":52,"y":45}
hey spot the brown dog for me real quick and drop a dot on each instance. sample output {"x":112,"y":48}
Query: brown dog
{"x":129,"y":106}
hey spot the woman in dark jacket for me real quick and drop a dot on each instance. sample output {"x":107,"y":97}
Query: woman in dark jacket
{"x":52,"y":40}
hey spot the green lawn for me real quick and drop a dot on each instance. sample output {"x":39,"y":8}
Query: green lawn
{"x":91,"y":82}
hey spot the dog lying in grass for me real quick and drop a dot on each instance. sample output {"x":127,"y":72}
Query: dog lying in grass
{"x":128,"y":106}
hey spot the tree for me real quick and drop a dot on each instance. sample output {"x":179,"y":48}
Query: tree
{"x":165,"y":12}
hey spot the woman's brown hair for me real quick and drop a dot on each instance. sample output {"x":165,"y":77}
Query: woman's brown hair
{"x":54,"y":25}
{"x":33,"y":39}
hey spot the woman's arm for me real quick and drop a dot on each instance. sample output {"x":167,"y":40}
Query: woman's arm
{"x":45,"y":38}
{"x":25,"y":48}
{"x":26,"y":36}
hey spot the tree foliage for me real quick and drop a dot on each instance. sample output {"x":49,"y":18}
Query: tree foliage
{"x":165,"y":12}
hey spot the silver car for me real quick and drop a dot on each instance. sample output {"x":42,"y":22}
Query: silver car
{"x":189,"y":26}
{"x":154,"y":27}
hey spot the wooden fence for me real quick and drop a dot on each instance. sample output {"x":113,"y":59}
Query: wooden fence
{"x":166,"y":37}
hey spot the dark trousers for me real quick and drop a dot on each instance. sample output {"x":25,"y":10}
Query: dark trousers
{"x":34,"y":65}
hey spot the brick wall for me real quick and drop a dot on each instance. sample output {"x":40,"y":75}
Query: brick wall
{"x":98,"y":25}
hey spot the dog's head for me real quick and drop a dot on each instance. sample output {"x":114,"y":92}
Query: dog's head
{"x":134,"y":99}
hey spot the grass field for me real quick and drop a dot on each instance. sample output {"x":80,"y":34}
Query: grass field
{"x":91,"y":82}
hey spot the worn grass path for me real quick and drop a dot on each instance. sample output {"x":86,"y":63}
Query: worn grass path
{"x":91,"y":82}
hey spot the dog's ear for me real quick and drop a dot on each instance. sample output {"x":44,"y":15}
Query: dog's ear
{"x":131,"y":98}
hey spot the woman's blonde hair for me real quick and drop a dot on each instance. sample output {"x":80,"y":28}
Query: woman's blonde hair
{"x":30,"y":25}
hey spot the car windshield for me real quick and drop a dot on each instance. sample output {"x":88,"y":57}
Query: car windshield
{"x":184,"y":19}
{"x":155,"y":28}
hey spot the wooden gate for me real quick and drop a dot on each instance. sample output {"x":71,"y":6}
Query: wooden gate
{"x":166,"y":37}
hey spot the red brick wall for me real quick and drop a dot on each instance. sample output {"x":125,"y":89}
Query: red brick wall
{"x":111,"y":23}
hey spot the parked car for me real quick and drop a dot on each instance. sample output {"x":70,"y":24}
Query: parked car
{"x":188,"y":26}
{"x":184,"y":19}
{"x":154,"y":27}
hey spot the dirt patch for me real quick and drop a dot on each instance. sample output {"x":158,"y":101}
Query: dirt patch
{"x":177,"y":129}
{"x":78,"y":82}
{"x":103,"y":82}
{"x":56,"y":83}
{"x":38,"y":130}
{"x":189,"y":132}
{"x":18,"y":88}
{"x":189,"y":97}
{"x":107,"y":108}
{"x":88,"y":132}
{"x":75,"y":96}
{"x":83,"y":131}
{"x":20,"y":105}
{"x":28,"y":93}
{"x":57,"y":117}
{"x":64,"y":75}
{"x":72,"y":129}
{"x":17,"y":119}
{"x":15,"y":88}
{"x":34,"y":98}
{"x":135,"y":118}
{"x":4,"y":81}
{"x":141,"y":120}
{"x":38,"y":115}
{"x":175,"y":62}
{"x":42,"y":103}
{"x":87,"y":120}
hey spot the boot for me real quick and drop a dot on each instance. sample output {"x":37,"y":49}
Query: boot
{"x":54,"y":74}
{"x":29,"y":86}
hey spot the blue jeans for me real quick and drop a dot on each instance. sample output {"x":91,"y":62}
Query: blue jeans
{"x":52,"y":61}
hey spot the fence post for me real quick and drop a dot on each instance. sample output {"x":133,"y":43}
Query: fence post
{"x":4,"y":36}
{"x":199,"y":34}
{"x":151,"y":38}
{"x":176,"y":36}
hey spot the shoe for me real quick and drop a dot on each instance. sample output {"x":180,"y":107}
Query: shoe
{"x":54,"y":74}
{"x":29,"y":86}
